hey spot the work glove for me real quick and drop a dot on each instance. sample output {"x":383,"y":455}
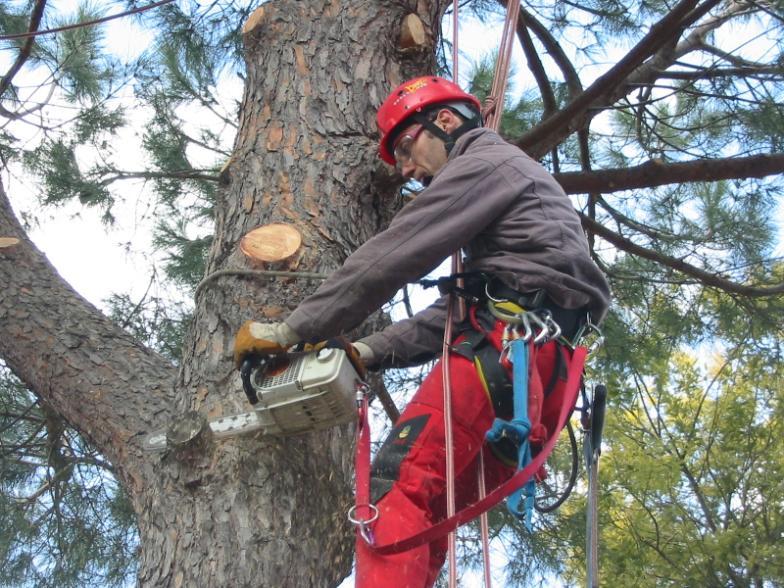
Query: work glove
{"x":262,"y":339}
{"x":356,"y":355}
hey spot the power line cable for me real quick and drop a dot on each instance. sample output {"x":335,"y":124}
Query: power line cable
{"x":84,"y":24}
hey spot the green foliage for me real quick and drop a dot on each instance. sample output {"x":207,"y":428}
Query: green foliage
{"x":98,"y":123}
{"x":692,"y":464}
{"x":155,"y":322}
{"x":187,"y":257}
{"x":520,"y":113}
{"x":65,"y":521}
{"x":56,"y":163}
{"x":692,"y":479}
{"x":83,"y":70}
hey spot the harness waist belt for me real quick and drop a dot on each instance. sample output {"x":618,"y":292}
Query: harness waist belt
{"x":480,"y":286}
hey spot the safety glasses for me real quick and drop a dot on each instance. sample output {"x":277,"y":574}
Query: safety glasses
{"x":403,"y":145}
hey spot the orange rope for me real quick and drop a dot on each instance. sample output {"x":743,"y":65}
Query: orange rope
{"x":498,"y":89}
{"x":457,"y":267}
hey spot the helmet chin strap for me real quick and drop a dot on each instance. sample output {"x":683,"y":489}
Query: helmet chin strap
{"x":449,"y":139}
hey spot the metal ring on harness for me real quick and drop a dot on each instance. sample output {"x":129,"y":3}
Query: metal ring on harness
{"x":363,"y":524}
{"x":490,"y":297}
{"x":512,"y":319}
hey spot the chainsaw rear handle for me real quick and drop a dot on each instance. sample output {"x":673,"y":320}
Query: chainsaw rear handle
{"x":246,"y":372}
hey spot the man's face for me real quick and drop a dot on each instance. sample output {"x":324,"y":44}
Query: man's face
{"x":419,"y":154}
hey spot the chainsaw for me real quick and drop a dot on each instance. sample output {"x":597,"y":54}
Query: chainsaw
{"x":291,"y":395}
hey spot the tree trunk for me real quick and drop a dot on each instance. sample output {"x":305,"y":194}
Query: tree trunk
{"x":258,"y":511}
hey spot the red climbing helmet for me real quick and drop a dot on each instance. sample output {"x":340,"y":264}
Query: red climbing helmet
{"x":413,"y":97}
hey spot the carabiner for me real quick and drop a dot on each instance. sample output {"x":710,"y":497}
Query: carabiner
{"x":528,"y":332}
{"x":587,"y":328}
{"x":544,"y":329}
{"x":490,"y":296}
{"x":553,"y":328}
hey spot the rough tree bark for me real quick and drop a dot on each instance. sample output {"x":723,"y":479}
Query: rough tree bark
{"x":250,"y":511}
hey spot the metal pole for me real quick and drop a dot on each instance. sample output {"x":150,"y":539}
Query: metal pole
{"x":592,"y":449}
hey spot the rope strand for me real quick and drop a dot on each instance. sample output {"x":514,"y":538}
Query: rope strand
{"x":498,"y":88}
{"x":457,"y":267}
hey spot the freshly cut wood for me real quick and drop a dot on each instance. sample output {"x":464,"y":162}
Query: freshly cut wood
{"x":254,"y":21}
{"x":412,"y":33}
{"x":8,"y":242}
{"x":271,"y":243}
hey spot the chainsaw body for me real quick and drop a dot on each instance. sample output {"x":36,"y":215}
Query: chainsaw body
{"x":302,"y":393}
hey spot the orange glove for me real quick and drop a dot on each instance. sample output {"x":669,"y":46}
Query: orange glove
{"x":256,"y":338}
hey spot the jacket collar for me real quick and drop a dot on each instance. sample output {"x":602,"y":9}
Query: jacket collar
{"x":473,"y":137}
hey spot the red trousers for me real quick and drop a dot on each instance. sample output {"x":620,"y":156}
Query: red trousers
{"x":413,"y":463}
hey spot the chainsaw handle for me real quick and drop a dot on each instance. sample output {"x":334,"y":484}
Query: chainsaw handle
{"x":246,"y":371}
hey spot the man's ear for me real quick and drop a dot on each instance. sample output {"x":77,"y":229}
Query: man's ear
{"x":447,"y":120}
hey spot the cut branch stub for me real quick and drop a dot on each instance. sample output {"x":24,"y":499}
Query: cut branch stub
{"x":189,"y":436}
{"x":8,"y":242}
{"x":271,"y":243}
{"x":254,"y":21}
{"x":412,"y":33}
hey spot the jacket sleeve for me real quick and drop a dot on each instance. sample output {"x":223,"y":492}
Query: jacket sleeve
{"x":461,"y":201}
{"x":412,"y":341}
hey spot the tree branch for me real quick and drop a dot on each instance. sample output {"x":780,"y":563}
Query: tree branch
{"x":102,"y":381}
{"x":24,"y":53}
{"x":151,"y":175}
{"x":551,"y":131}
{"x":32,"y":33}
{"x":705,"y":277}
{"x":726,"y":72}
{"x":659,"y":173}
{"x":554,"y":50}
{"x":536,"y":66}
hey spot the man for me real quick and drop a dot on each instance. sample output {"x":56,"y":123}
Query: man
{"x":522,"y":243}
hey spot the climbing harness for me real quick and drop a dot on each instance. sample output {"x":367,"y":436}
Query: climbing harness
{"x":571,"y":391}
{"x":525,"y":332}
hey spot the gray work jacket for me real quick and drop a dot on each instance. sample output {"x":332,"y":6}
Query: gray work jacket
{"x":508,"y":215}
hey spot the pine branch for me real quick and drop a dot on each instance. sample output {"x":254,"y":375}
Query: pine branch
{"x":602,"y":92}
{"x":553,"y":48}
{"x":727,"y":72}
{"x":705,"y":277}
{"x":648,"y":231}
{"x":151,"y":175}
{"x":32,"y":33}
{"x":27,"y":48}
{"x":656,"y":172}
{"x":61,"y":474}
{"x":536,"y":66}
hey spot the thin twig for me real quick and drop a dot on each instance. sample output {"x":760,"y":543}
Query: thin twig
{"x":80,"y":25}
{"x":256,"y":274}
